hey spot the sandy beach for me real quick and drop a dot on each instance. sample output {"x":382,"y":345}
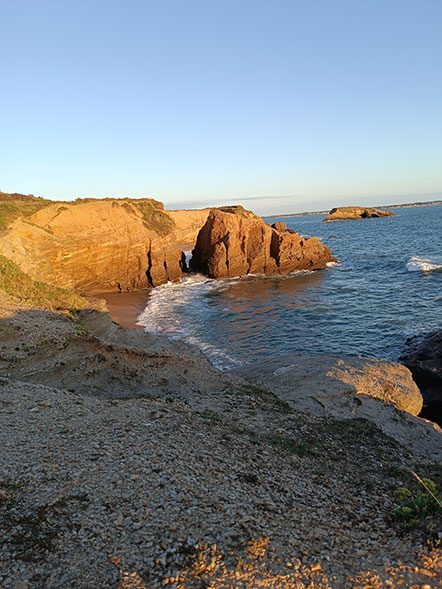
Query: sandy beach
{"x":124,"y":307}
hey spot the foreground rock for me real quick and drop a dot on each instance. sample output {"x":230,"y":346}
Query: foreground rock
{"x":235,"y":242}
{"x":199,"y":481}
{"x":348,"y":213}
{"x":94,"y":356}
{"x":348,"y":387}
{"x":96,"y":245}
{"x":423,"y":356}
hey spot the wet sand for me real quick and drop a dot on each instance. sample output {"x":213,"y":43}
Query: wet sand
{"x":124,"y":307}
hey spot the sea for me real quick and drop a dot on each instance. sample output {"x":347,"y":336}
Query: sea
{"x":385,"y":287}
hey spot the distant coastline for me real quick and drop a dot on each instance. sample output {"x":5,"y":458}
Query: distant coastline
{"x":430,"y":203}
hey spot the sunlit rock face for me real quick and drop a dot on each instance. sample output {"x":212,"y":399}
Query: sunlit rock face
{"x":334,"y":381}
{"x":235,"y":242}
{"x":102,"y":245}
{"x":348,"y":213}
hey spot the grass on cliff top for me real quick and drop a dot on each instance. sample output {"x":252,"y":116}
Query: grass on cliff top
{"x":13,"y":206}
{"x":154,"y":219}
{"x":236,"y":210}
{"x":18,"y":284}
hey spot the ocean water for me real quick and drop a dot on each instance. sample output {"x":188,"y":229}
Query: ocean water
{"x":386,"y":286}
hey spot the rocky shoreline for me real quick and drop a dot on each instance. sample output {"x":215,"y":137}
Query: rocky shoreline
{"x":130,"y":461}
{"x":205,"y":480}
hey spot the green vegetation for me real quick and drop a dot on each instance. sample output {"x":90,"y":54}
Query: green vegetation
{"x":262,"y":396}
{"x":33,"y":531}
{"x":18,"y":284}
{"x":236,"y":210}
{"x":13,"y":206}
{"x":81,"y":329}
{"x":420,"y":508}
{"x":153,"y":218}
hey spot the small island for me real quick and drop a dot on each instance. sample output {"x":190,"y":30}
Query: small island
{"x":348,"y":213}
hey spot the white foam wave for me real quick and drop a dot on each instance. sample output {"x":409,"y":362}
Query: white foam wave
{"x":418,"y":264}
{"x":174,"y":310}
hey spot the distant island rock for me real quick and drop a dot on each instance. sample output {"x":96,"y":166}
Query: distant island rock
{"x":235,"y":242}
{"x":348,"y":213}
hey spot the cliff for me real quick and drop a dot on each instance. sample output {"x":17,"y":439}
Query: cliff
{"x":98,"y":245}
{"x":349,"y":213}
{"x":235,"y":242}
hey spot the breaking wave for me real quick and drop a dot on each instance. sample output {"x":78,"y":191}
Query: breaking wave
{"x":418,"y":264}
{"x":180,"y":312}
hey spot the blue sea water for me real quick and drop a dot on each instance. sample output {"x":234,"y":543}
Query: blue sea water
{"x":386,"y":286}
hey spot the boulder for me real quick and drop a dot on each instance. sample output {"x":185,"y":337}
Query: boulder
{"x":345,"y":387}
{"x":331,"y":380}
{"x":279,"y":226}
{"x":423,"y":356}
{"x":235,"y":242}
{"x":348,"y":213}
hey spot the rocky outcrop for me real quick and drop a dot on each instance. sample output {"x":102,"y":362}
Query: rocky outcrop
{"x":235,"y":242}
{"x":348,"y":213}
{"x":423,"y":356}
{"x":347,"y":387}
{"x":102,"y":245}
{"x":331,"y":380}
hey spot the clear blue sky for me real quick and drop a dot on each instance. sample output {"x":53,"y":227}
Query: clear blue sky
{"x":283,"y":105}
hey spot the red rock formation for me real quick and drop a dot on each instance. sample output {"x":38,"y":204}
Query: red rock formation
{"x":235,"y":242}
{"x":348,"y":213}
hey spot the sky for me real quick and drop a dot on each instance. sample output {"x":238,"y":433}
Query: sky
{"x":280,"y":105}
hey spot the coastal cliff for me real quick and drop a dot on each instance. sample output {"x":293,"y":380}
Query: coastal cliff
{"x":96,"y":245}
{"x":110,"y":434}
{"x":349,"y":213}
{"x":110,"y":245}
{"x":235,"y":242}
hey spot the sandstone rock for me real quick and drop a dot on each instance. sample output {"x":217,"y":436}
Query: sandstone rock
{"x":423,"y":356}
{"x":279,"y":226}
{"x":330,"y":379}
{"x":102,"y":245}
{"x":235,"y":242}
{"x":348,"y":213}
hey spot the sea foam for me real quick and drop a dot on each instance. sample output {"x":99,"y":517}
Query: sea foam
{"x":418,"y":264}
{"x":175,"y":309}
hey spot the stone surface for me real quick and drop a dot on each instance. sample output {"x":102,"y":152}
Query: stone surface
{"x":350,"y":387}
{"x":102,"y":245}
{"x":348,"y":213}
{"x":423,"y":356}
{"x":223,"y":487}
{"x":235,"y":242}
{"x":329,"y":378}
{"x":279,"y":226}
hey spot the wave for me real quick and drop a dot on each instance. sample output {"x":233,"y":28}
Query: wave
{"x":180,"y":312}
{"x":418,"y":264}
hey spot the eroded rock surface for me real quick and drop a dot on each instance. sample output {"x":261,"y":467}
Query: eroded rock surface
{"x":235,"y":242}
{"x":102,"y":245}
{"x":348,"y":213}
{"x":350,"y":387}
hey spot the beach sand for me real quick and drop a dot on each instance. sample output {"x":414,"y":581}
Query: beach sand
{"x":124,"y":307}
